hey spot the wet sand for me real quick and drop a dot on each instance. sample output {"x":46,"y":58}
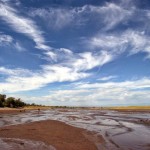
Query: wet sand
{"x":55,"y":133}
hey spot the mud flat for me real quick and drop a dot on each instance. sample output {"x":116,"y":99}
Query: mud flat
{"x":105,"y":129}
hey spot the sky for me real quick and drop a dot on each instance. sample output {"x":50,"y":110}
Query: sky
{"x":76,"y":52}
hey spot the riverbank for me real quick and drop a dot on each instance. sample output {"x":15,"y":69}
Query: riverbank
{"x":7,"y":110}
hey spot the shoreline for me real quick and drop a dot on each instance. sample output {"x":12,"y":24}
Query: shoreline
{"x":55,"y":133}
{"x":7,"y":110}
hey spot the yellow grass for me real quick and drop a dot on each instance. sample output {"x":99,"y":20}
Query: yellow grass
{"x":37,"y":107}
{"x":129,"y":108}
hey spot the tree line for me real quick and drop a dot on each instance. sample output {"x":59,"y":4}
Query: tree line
{"x":10,"y":102}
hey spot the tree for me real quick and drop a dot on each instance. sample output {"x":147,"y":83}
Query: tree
{"x":2,"y":100}
{"x":10,"y":102}
{"x":1,"y":104}
{"x":19,"y":103}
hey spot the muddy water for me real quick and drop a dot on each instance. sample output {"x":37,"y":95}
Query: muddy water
{"x":121,"y":131}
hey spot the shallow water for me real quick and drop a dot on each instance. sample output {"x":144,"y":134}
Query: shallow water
{"x":121,"y":131}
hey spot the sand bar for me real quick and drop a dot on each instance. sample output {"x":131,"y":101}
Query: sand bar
{"x":55,"y":133}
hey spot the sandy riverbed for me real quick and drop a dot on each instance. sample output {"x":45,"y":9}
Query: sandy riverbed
{"x":129,"y":130}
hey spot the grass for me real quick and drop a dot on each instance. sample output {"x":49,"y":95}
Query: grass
{"x":129,"y":108}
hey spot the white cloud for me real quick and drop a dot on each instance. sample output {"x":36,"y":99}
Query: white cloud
{"x":107,"y":78}
{"x":88,"y":60}
{"x":112,"y":14}
{"x":5,"y":39}
{"x":119,"y":91}
{"x":130,"y":40}
{"x":23,"y":25}
{"x":99,"y":94}
{"x":24,"y":80}
{"x":66,"y":51}
{"x":19,"y":47}
{"x":55,"y":17}
{"x":132,"y":85}
{"x":71,"y":69}
{"x":15,"y":72}
{"x":69,"y":66}
{"x":109,"y":14}
{"x":107,"y":92}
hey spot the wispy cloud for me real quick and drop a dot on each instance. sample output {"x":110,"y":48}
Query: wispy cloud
{"x":118,"y":43}
{"x":55,"y":17}
{"x":23,"y":25}
{"x":15,"y":72}
{"x":24,"y":80}
{"x":88,"y":60}
{"x":5,"y":39}
{"x":19,"y":47}
{"x":107,"y":78}
{"x":109,"y":14}
{"x":112,"y":14}
{"x":128,"y":85}
{"x":70,"y":69}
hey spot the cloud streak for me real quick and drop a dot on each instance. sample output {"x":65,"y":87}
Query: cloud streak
{"x":130,"y":41}
{"x":107,"y":78}
{"x":24,"y":80}
{"x":23,"y":25}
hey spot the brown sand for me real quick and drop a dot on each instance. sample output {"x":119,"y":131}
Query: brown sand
{"x":55,"y":133}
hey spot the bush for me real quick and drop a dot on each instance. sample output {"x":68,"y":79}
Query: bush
{"x":10,"y":102}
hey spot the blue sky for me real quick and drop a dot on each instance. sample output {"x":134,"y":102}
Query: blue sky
{"x":76,"y":52}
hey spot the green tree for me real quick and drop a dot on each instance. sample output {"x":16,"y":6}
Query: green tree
{"x":19,"y":103}
{"x":10,"y":102}
{"x":2,"y":99}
